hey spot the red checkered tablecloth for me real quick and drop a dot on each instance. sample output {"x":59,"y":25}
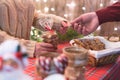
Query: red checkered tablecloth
{"x":106,"y":72}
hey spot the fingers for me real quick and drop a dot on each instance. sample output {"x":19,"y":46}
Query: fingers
{"x":75,"y":26}
{"x":77,"y":20}
{"x":81,"y":29}
{"x":47,"y":45}
{"x":61,"y":27}
{"x":85,"y":31}
{"x":43,"y":47}
{"x":42,"y":50}
{"x":64,"y":26}
{"x":78,"y":28}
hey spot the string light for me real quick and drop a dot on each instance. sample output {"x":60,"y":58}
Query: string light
{"x":38,"y":11}
{"x":71,"y":5}
{"x":99,"y":28}
{"x":31,"y":32}
{"x":37,"y":0}
{"x":84,"y":8}
{"x":46,"y":9}
{"x":38,"y":36}
{"x":35,"y":32}
{"x":45,"y":1}
{"x":114,"y":1}
{"x":66,"y":15}
{"x":115,"y":29}
{"x":101,"y":4}
{"x":52,"y":9}
{"x":32,"y":27}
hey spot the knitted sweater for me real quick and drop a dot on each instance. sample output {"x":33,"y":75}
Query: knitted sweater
{"x":16,"y":19}
{"x":109,"y":14}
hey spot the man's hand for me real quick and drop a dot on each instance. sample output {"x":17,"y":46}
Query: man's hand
{"x":42,"y":48}
{"x":86,"y":23}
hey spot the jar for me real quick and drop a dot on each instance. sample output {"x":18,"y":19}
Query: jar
{"x":75,"y":73}
{"x":50,"y":37}
{"x":76,"y":56}
{"x":77,"y":60}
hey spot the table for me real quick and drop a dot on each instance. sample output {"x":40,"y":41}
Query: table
{"x":106,"y":72}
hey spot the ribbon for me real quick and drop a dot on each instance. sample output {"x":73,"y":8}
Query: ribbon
{"x":1,"y":63}
{"x":59,"y":62}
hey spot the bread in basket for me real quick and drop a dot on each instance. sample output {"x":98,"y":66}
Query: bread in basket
{"x":101,"y":51}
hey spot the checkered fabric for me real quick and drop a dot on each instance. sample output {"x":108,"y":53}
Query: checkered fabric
{"x":106,"y":72}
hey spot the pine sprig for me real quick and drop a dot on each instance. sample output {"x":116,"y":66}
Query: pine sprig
{"x":70,"y":34}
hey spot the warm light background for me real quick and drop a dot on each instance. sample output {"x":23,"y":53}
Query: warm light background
{"x":71,"y":9}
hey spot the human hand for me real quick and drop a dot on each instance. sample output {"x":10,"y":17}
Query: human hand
{"x":43,"y":47}
{"x":51,"y":22}
{"x":86,"y":23}
{"x":61,"y":27}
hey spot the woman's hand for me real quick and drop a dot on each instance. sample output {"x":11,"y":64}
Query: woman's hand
{"x":61,"y":27}
{"x":42,"y":48}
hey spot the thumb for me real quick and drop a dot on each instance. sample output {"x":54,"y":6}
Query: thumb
{"x":77,"y":20}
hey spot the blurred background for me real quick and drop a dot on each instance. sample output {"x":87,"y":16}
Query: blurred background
{"x":71,"y":9}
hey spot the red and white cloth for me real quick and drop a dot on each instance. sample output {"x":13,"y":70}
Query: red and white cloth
{"x":106,"y":72}
{"x":59,"y":63}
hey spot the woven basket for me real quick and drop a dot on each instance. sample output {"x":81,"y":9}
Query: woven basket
{"x":92,"y":59}
{"x":102,"y":61}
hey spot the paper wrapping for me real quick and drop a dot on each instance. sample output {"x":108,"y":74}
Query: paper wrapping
{"x":110,"y":47}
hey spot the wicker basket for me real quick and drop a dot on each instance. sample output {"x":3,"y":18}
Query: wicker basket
{"x":93,"y":58}
{"x":102,"y":61}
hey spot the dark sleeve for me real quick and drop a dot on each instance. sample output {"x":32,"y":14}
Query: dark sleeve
{"x":109,"y":14}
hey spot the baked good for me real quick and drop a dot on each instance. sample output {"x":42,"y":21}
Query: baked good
{"x":50,"y":37}
{"x":91,"y":44}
